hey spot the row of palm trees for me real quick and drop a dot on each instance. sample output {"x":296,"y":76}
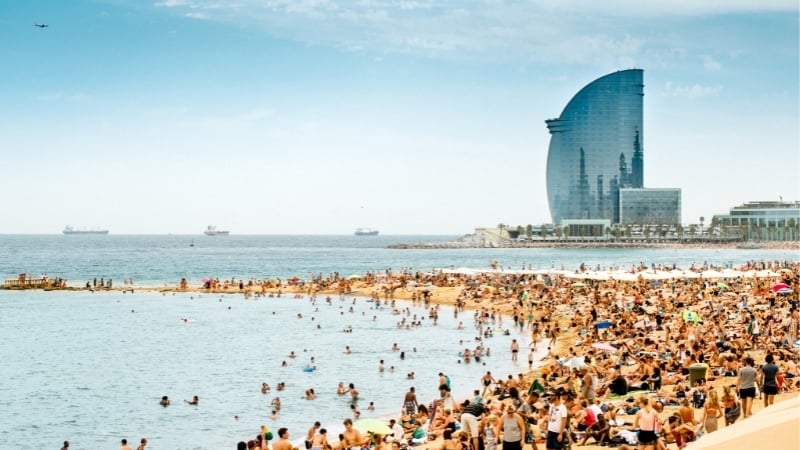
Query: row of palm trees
{"x":715,"y":231}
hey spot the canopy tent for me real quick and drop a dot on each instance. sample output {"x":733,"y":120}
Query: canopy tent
{"x":691,"y":316}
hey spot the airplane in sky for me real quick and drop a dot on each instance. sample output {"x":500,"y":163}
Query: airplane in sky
{"x":40,"y":25}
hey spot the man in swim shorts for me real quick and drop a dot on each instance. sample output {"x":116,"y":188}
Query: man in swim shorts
{"x":410,"y":402}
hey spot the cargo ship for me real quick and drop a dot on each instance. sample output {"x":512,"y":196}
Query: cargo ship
{"x":69,"y":229}
{"x":213,"y":231}
{"x":366,"y":232}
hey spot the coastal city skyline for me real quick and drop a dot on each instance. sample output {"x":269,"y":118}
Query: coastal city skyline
{"x":411,"y":117}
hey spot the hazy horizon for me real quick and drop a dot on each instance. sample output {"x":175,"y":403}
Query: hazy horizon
{"x":407,"y":116}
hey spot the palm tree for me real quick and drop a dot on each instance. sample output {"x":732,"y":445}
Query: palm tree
{"x":557,"y":232}
{"x":702,"y":219}
{"x":543,"y":232}
{"x":529,"y":230}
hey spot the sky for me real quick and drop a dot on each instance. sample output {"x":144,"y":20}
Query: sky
{"x":408,"y":116}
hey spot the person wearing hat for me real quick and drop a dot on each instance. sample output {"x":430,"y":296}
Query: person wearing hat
{"x":557,"y":422}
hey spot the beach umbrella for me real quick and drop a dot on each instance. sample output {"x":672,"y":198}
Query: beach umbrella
{"x":205,"y":280}
{"x":722,"y":285}
{"x":578,"y":284}
{"x":604,"y":324}
{"x":576,"y":363}
{"x":354,"y":277}
{"x":784,"y":291}
{"x":656,"y":283}
{"x":780,"y":286}
{"x":604,"y":346}
{"x":373,"y":426}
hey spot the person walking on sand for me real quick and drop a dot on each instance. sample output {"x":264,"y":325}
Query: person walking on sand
{"x":512,"y":428}
{"x":557,"y":423}
{"x":645,"y":421}
{"x":768,"y":380}
{"x":746,"y":385}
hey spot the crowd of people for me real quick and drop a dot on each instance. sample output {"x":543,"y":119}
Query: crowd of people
{"x":644,"y":364}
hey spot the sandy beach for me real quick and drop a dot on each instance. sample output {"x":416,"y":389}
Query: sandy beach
{"x":643,"y":311}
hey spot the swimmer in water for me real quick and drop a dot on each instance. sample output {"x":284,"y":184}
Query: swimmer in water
{"x":341,"y":389}
{"x":264,"y":388}
{"x":194,"y":401}
{"x":164,"y":401}
{"x":292,"y":355}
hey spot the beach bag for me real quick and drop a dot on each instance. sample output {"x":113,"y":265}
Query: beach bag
{"x":733,"y":412}
{"x":698,"y":399}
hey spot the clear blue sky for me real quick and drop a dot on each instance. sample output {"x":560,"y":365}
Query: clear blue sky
{"x":413,"y":116}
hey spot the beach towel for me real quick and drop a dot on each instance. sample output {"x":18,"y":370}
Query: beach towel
{"x":629,"y":394}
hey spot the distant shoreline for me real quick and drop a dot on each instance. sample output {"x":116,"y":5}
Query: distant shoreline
{"x":764,"y":245}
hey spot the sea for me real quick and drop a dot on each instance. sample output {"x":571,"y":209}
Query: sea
{"x":91,"y":367}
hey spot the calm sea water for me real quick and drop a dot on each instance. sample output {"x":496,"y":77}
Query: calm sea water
{"x":159,"y":260}
{"x":91,"y":368}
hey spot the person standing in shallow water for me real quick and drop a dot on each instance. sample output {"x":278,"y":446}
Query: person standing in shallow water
{"x":514,"y":349}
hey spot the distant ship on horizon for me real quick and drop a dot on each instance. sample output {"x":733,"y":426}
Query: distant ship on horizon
{"x":69,"y":229}
{"x":366,"y":232}
{"x":212,"y":230}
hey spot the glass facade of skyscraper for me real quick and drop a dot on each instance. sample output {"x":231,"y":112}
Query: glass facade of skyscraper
{"x":649,"y":206}
{"x":596,"y":148}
